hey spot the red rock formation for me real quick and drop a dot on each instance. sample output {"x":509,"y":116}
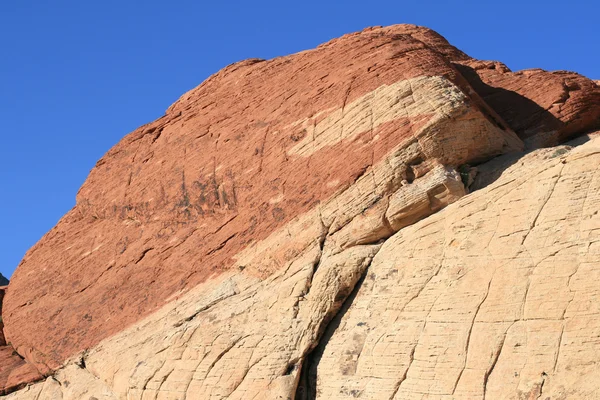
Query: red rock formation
{"x":255,"y":146}
{"x":2,"y":339}
{"x":170,"y":204}
{"x":14,"y":371}
{"x":544,"y":108}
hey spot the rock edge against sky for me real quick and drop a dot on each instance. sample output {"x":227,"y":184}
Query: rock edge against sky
{"x":380,"y":217}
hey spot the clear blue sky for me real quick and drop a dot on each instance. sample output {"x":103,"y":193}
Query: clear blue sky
{"x":76,"y":76}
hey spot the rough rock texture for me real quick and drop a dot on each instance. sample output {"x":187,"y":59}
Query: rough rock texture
{"x":493,"y":297}
{"x":302,"y":228}
{"x":176,"y":202}
{"x":14,"y":371}
{"x":544,"y":108}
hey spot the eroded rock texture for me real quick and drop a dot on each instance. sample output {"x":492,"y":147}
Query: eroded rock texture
{"x":493,"y":297}
{"x":302,"y":228}
{"x":544,"y":108}
{"x":14,"y":371}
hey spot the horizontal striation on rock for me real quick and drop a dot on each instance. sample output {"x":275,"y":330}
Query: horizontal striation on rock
{"x":490,"y":298}
{"x":328,"y":225}
{"x":175,"y":202}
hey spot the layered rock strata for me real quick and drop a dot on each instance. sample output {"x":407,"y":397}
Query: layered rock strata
{"x":492,"y":297}
{"x":14,"y":371}
{"x":302,"y":228}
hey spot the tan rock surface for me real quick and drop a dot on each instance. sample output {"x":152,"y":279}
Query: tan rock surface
{"x":176,"y":202}
{"x":492,"y":297}
{"x":302,"y":228}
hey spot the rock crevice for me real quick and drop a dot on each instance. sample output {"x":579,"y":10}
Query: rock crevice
{"x":353,"y":221}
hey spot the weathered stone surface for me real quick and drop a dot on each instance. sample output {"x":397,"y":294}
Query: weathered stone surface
{"x":492,"y":297}
{"x":183,"y":199}
{"x":544,"y":108}
{"x":70,"y":383}
{"x":303,"y":228}
{"x":14,"y":371}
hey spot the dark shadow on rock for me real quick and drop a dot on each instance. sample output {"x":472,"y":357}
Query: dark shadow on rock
{"x":307,"y":386}
{"x":524,"y":116}
{"x":536,"y":126}
{"x":493,"y":169}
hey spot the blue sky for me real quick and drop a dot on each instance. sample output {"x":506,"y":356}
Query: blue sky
{"x":76,"y":76}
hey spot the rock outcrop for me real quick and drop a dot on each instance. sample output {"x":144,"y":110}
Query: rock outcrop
{"x":14,"y":371}
{"x":331,"y":224}
{"x":544,"y":108}
{"x":492,"y":297}
{"x":3,"y":280}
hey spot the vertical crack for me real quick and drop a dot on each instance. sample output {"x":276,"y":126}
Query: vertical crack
{"x":489,"y":371}
{"x":560,"y":339}
{"x":534,"y":222}
{"x":403,"y":377}
{"x":306,"y":388}
{"x":541,"y":387}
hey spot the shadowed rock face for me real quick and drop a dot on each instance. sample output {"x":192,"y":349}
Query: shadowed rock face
{"x":544,"y":108}
{"x":210,"y":252}
{"x":3,"y":280}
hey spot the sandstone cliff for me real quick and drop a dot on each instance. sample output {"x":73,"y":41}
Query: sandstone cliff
{"x":355,"y":221}
{"x":14,"y":371}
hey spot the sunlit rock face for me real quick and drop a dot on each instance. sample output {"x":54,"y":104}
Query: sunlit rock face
{"x":353,"y":221}
{"x":14,"y":371}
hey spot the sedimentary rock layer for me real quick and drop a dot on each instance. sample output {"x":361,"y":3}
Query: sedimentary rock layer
{"x":544,"y":108}
{"x":492,"y":297}
{"x":328,"y":225}
{"x":14,"y":371}
{"x":177,"y":201}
